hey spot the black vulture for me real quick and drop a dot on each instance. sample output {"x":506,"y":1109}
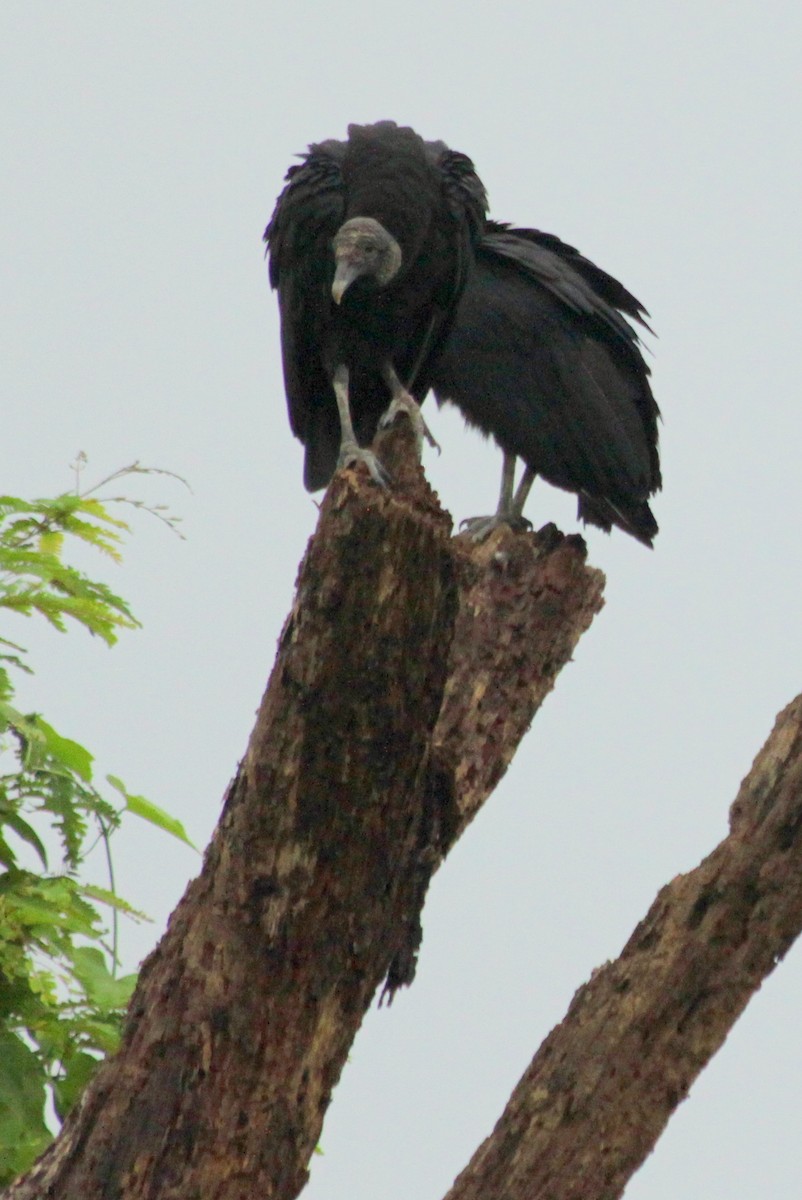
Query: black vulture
{"x":392,"y":281}
{"x":369,"y":246}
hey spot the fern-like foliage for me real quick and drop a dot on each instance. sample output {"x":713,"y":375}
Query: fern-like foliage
{"x":61,"y":1005}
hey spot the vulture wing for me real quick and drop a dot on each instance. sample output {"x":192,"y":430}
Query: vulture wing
{"x":307,"y":215}
{"x":541,"y":356}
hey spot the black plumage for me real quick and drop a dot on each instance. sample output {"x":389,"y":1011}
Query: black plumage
{"x":541,"y":357}
{"x":392,"y":281}
{"x":430,"y":203}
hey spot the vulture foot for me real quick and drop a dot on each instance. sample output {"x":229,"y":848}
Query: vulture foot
{"x":351,"y":454}
{"x":404,"y":403}
{"x":479,"y":528}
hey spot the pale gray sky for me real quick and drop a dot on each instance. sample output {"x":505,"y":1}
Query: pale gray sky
{"x":142,"y":148}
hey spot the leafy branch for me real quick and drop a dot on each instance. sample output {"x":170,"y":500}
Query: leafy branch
{"x":61,"y":1004}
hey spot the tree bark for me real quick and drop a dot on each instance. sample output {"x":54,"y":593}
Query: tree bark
{"x":603,"y":1085}
{"x":409,"y":668}
{"x":407,"y":672}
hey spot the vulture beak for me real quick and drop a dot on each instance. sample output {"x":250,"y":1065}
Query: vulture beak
{"x":347,"y":271}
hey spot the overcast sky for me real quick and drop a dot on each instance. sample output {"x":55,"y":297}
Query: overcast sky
{"x":142,"y":147}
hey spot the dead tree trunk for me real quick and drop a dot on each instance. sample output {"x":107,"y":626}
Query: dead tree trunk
{"x":407,"y":672}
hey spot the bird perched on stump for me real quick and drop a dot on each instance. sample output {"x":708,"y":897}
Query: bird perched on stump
{"x":392,"y":281}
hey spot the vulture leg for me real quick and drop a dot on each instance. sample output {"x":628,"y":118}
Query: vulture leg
{"x":520,"y":498}
{"x":403,"y":402}
{"x":510,"y":506}
{"x":507,"y":484}
{"x":350,"y":450}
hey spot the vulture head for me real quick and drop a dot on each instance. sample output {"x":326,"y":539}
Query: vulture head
{"x":363,"y":247}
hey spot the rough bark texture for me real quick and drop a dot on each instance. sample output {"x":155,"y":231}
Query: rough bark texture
{"x":407,"y":671}
{"x":604,"y":1083}
{"x":506,"y":607}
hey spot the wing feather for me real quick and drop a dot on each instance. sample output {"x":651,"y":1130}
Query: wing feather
{"x":541,"y":359}
{"x":308,"y":213}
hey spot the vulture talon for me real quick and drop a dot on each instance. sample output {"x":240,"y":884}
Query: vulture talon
{"x":408,"y":405}
{"x":351,"y":455}
{"x":478,"y":529}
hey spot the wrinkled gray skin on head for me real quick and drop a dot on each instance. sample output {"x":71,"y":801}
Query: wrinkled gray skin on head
{"x":364,"y":247}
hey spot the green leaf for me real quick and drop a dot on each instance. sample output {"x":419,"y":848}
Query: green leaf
{"x":25,"y":831}
{"x":103,"y":1033}
{"x":71,"y":754}
{"x":113,"y":900}
{"x":151,"y":812}
{"x":51,"y":543}
{"x":11,"y":504}
{"x":7,"y":856}
{"x":49,"y":907}
{"x":23,"y":1133}
{"x":10,"y":716}
{"x":68,"y":1088}
{"x":106,"y":992}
